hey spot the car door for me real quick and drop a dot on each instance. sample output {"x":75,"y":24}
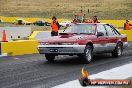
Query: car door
{"x":102,"y":41}
{"x":112,"y":34}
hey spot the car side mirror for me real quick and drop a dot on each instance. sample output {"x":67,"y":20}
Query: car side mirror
{"x":100,"y":34}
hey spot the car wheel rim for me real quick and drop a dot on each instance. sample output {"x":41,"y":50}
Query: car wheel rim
{"x":88,"y":55}
{"x":119,"y":51}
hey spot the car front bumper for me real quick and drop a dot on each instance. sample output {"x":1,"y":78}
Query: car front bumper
{"x":61,"y":49}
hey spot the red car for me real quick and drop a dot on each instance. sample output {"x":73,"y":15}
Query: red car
{"x":84,"y":40}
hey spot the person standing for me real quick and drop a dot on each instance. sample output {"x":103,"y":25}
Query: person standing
{"x":95,"y":19}
{"x":54,"y":26}
{"x":127,"y":25}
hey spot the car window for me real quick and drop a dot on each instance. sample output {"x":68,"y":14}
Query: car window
{"x":114,"y":30}
{"x":101,"y":28}
{"x":110,"y":30}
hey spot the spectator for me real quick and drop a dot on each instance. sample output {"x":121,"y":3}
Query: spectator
{"x":54,"y":26}
{"x":127,"y":25}
{"x":95,"y":19}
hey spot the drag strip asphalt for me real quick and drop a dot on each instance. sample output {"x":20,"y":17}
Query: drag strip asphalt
{"x":33,"y":71}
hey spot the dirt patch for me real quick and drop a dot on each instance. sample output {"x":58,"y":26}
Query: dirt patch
{"x":105,"y":9}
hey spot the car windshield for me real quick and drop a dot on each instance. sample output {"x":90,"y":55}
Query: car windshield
{"x":81,"y":29}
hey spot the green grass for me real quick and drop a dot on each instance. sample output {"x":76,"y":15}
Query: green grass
{"x":105,"y":9}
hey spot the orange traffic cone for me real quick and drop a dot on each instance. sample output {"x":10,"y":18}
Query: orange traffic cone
{"x":4,"y":37}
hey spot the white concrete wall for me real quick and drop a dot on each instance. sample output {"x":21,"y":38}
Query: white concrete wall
{"x":42,"y":35}
{"x":15,"y":32}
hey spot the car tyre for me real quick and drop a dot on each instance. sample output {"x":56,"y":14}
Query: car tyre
{"x":88,"y":54}
{"x":118,"y":50}
{"x":49,"y":57}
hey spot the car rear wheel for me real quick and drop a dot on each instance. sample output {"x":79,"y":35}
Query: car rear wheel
{"x":88,"y":54}
{"x":118,"y":50}
{"x":49,"y":57}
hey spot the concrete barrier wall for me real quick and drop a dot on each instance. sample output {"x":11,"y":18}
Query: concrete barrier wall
{"x":15,"y":32}
{"x":40,"y":35}
{"x":20,"y":47}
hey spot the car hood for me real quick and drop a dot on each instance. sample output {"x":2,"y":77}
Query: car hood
{"x":64,"y":38}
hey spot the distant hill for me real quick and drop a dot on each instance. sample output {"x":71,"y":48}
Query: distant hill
{"x":105,"y":9}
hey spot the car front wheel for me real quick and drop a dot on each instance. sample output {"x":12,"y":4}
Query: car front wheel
{"x":49,"y":57}
{"x":118,"y":50}
{"x":88,"y":55}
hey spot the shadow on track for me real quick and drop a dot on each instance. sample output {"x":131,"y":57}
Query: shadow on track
{"x":75,"y":60}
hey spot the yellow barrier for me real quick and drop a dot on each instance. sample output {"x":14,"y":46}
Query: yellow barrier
{"x":33,"y":35}
{"x":20,"y":47}
{"x":128,"y":33}
{"x":117,"y":23}
{"x":11,"y":19}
